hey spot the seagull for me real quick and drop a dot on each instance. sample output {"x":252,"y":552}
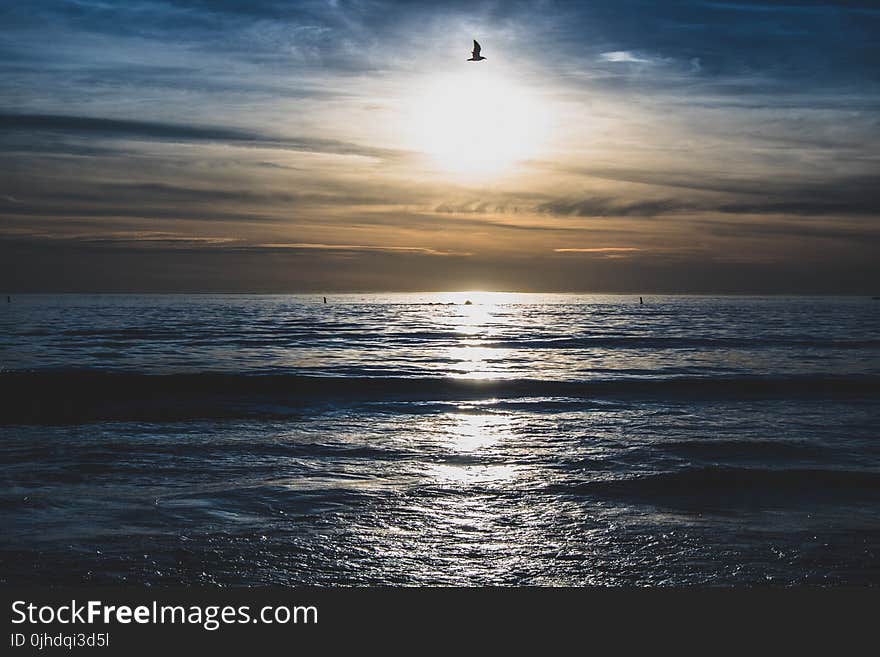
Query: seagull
{"x":475,"y":56}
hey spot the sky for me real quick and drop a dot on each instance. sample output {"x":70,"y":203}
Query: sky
{"x":627,"y":146}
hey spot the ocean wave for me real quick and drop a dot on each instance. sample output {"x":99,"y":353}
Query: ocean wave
{"x":305,"y":336}
{"x":53,"y":396}
{"x":700,"y":485}
{"x":678,"y":342}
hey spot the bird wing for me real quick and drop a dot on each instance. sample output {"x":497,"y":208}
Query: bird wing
{"x":476,"y":48}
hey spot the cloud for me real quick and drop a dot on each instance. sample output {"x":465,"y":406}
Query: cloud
{"x":153,"y":237}
{"x":613,"y":207}
{"x":806,"y":207}
{"x":360,"y":247}
{"x":860,"y":234}
{"x":713,"y":191}
{"x":108,"y":128}
{"x":600,"y":249}
{"x":624,"y":56}
{"x":113,"y":238}
{"x":174,"y":241}
{"x":117,"y":128}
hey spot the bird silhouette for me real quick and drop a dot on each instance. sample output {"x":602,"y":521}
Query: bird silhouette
{"x":475,"y":55}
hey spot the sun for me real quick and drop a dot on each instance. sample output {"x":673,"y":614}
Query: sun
{"x":476,"y":122}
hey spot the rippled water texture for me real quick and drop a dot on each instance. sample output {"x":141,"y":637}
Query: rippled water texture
{"x":521,"y":439}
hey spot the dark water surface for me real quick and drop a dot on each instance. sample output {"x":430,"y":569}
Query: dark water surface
{"x":382,"y":439}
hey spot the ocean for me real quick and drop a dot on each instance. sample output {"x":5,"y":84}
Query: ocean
{"x":417,"y":439}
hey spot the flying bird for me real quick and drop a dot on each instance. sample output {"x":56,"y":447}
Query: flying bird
{"x":475,"y":56}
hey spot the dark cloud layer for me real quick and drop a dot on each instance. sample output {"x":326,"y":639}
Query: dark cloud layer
{"x":280,"y":270}
{"x":33,"y":125}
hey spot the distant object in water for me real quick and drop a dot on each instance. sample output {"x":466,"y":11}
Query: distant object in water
{"x":475,"y":55}
{"x":876,"y":298}
{"x":641,"y":301}
{"x":468,"y":303}
{"x":325,"y":299}
{"x":8,"y":299}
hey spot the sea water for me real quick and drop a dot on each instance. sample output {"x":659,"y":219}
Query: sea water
{"x":421,"y":440}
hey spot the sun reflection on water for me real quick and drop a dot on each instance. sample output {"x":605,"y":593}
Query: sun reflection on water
{"x":475,"y":362}
{"x":472,"y":474}
{"x":477,"y":317}
{"x":474,"y":433}
{"x":471,"y":432}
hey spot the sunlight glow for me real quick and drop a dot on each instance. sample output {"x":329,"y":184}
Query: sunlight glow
{"x":478,"y":123}
{"x":485,"y":297}
{"x":472,"y":474}
{"x":475,"y":362}
{"x":471,"y":432}
{"x":475,"y":321}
